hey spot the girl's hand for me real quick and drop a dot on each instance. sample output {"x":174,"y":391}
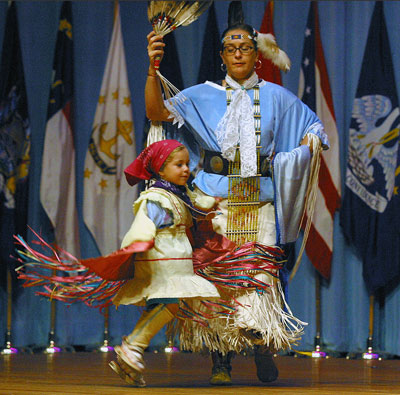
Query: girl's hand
{"x":155,"y":49}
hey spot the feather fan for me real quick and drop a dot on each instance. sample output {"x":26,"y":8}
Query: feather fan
{"x":166,"y":16}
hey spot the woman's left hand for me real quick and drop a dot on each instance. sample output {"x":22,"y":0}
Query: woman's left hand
{"x":305,"y":142}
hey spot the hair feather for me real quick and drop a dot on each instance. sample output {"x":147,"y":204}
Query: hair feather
{"x":268,"y":48}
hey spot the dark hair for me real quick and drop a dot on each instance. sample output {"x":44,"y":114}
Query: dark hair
{"x":236,"y":21}
{"x":242,"y":26}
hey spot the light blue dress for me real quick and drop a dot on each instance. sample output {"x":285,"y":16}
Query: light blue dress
{"x":285,"y":120}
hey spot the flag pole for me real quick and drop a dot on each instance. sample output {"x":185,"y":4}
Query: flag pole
{"x":317,"y":353}
{"x":8,"y":349}
{"x":51,"y":348}
{"x":170,"y":348}
{"x":369,"y":354}
{"x":116,"y":5}
{"x":105,"y":347}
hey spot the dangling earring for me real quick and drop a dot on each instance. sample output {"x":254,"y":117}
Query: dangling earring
{"x":223,"y":67}
{"x":258,"y":65}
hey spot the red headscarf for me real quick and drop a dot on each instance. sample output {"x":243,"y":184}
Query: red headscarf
{"x":149,"y":161}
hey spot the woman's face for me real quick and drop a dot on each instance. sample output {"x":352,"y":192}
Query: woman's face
{"x":239,"y":63}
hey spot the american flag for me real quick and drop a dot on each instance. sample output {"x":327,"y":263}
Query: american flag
{"x":315,"y":91}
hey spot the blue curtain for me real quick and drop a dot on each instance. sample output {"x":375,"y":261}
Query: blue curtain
{"x":344,"y":28}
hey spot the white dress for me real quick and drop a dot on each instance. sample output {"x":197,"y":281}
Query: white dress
{"x":166,"y":270}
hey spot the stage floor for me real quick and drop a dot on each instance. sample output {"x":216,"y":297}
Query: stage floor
{"x":186,"y":373}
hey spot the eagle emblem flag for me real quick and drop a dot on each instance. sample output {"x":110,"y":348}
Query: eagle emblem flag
{"x":371,"y":206}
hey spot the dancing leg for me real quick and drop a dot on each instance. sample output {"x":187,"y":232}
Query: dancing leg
{"x":132,"y":348}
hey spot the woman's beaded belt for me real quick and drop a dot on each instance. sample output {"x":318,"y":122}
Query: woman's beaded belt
{"x":214,"y":163}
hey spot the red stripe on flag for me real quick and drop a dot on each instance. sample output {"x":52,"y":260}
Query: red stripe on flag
{"x":67,"y":111}
{"x":319,"y":253}
{"x":328,"y":189}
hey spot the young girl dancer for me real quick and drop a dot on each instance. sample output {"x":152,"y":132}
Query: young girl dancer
{"x":163,"y":274}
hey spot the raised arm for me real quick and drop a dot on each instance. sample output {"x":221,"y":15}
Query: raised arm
{"x":155,"y":108}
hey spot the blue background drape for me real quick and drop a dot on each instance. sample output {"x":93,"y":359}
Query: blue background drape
{"x":344,"y":28}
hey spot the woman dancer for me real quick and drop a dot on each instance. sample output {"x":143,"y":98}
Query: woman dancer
{"x":255,"y":136}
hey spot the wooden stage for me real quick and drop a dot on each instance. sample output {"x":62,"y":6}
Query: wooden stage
{"x":186,"y":373}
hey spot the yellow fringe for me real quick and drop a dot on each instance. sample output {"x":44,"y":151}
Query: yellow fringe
{"x":311,"y":195}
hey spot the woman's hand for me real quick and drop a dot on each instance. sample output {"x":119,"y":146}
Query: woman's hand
{"x":155,"y":50}
{"x":305,"y":142}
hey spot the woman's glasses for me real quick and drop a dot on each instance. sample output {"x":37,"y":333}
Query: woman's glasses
{"x":244,"y":49}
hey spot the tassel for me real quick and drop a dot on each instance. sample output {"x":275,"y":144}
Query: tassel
{"x":238,"y":270}
{"x":311,"y":196}
{"x":76,"y":284}
{"x":156,"y":133}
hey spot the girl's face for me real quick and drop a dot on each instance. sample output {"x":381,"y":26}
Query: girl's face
{"x":177,"y":169}
{"x":239,"y":55}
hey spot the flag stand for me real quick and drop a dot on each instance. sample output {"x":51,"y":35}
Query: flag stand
{"x":317,"y":353}
{"x":170,"y":348}
{"x":369,"y":354}
{"x":105,"y":346}
{"x":51,"y":348}
{"x":8,"y":349}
